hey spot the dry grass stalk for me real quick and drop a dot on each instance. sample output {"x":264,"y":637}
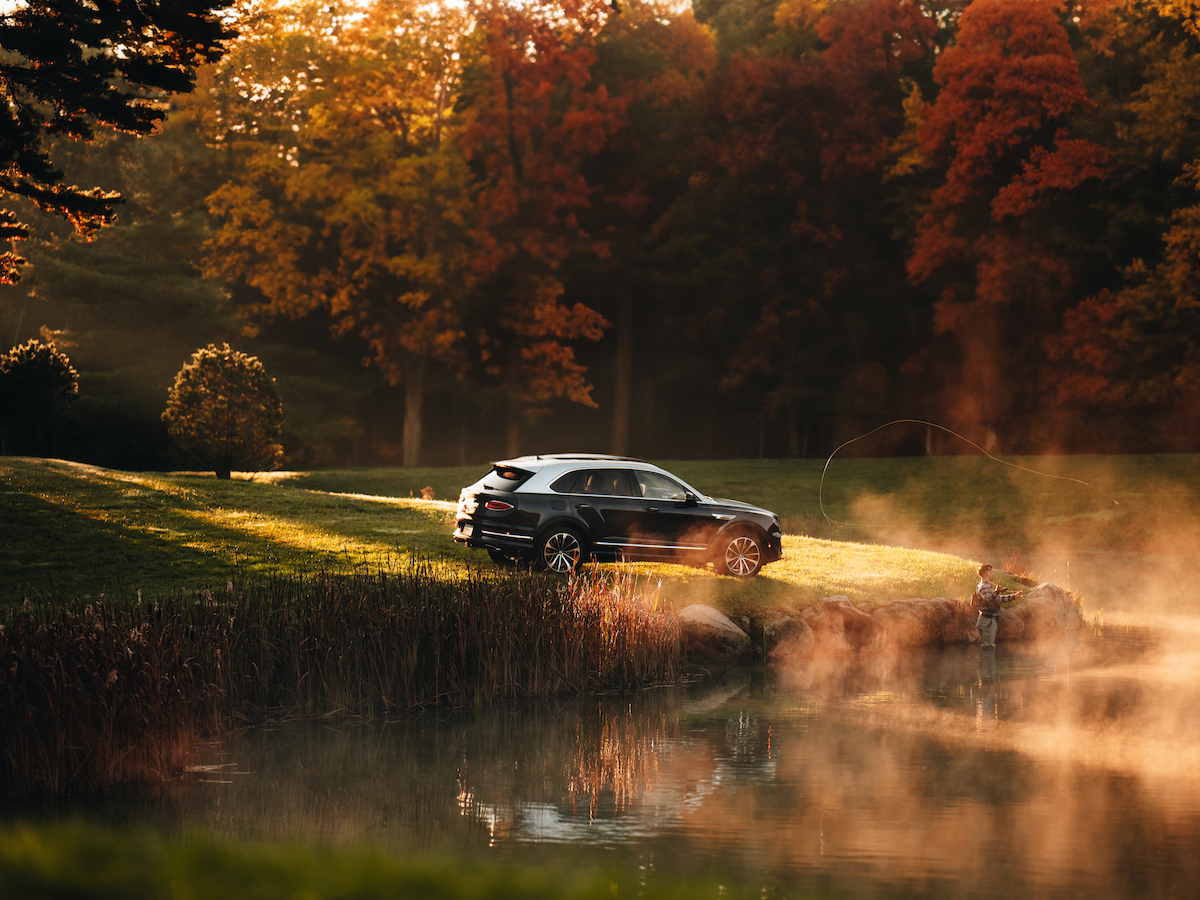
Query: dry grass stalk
{"x":118,"y":691}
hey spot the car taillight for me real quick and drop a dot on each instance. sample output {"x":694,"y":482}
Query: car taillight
{"x":498,"y":506}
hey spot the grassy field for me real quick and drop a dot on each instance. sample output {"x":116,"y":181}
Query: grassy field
{"x":873,"y":530}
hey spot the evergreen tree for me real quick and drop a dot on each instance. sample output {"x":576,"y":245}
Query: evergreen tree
{"x":67,"y":69}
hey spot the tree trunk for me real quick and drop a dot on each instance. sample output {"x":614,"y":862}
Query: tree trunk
{"x":623,"y":387}
{"x":414,"y":400}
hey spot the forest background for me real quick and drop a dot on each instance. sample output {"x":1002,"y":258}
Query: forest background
{"x":743,"y":228}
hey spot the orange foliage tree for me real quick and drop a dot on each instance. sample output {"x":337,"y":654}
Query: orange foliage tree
{"x":346,"y":196}
{"x":413,"y":170}
{"x":1129,"y":355}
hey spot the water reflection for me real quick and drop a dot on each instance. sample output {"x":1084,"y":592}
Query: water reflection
{"x":1065,"y":771}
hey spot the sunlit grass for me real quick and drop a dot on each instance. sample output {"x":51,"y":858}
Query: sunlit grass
{"x":814,"y":568}
{"x":73,"y":531}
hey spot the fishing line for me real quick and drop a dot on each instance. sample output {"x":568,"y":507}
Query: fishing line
{"x":821,"y":487}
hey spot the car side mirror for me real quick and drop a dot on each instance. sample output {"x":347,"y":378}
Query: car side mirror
{"x":689,"y":499}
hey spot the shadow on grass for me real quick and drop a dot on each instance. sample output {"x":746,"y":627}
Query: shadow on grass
{"x":68,"y":554}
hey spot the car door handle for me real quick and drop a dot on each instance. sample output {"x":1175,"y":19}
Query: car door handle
{"x":651,"y":509}
{"x":582,"y":506}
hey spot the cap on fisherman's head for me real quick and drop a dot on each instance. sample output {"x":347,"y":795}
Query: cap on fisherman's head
{"x":984,"y":569}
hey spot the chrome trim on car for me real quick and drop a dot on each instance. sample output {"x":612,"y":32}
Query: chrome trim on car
{"x":483,"y":532}
{"x":644,"y":546}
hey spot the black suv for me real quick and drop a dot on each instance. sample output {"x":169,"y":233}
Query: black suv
{"x":555,"y":511}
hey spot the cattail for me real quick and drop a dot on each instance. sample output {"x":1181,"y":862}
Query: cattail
{"x":357,"y":642}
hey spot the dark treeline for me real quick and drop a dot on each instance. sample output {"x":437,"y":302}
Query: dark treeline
{"x":747,"y":228}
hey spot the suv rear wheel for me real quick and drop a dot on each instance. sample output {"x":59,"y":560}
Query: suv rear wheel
{"x":740,"y":555}
{"x":560,"y":550}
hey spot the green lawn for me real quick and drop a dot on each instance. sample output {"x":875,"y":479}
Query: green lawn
{"x":875,"y":530}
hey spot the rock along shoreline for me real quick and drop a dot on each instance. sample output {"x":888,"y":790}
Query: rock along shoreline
{"x":837,"y":627}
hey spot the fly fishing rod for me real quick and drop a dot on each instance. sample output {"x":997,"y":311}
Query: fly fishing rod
{"x":821,"y":487}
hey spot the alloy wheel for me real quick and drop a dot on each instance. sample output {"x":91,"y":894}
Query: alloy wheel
{"x":743,"y":556}
{"x":561,"y":552}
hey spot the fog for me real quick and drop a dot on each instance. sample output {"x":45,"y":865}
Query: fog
{"x":1123,"y":533}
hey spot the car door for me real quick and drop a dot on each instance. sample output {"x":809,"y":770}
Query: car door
{"x":674,"y":519}
{"x":604,"y":500}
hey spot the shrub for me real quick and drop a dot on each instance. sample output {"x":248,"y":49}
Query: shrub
{"x":225,"y":410}
{"x":37,"y":386}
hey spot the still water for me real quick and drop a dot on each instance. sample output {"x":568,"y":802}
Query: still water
{"x":1066,"y":771}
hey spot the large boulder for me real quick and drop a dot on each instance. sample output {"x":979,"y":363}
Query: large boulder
{"x":709,"y":634}
{"x":790,"y":639}
{"x":918,"y":622}
{"x":841,"y":628}
{"x":1046,"y":612}
{"x":837,"y":627}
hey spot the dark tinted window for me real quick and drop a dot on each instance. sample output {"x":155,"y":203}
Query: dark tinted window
{"x":511,"y":476}
{"x":601,"y":482}
{"x":606,"y":482}
{"x":567,"y":484}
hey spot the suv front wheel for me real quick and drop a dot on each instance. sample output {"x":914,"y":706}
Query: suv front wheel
{"x":560,"y":550}
{"x":740,"y":554}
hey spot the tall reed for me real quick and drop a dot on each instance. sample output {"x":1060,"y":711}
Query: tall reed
{"x":116,"y":692}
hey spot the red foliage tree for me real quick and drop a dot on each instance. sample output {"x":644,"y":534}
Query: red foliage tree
{"x":809,"y":135}
{"x":532,"y":116}
{"x":1009,"y":90}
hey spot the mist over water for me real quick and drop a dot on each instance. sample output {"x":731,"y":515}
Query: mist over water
{"x":1048,"y":771}
{"x":1054,"y":771}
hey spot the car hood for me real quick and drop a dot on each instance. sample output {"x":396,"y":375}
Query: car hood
{"x":738,"y":504}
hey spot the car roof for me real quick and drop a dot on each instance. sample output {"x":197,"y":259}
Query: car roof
{"x":547,"y":466}
{"x":543,"y":458}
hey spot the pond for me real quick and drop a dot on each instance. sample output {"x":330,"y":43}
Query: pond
{"x":1062,"y":771}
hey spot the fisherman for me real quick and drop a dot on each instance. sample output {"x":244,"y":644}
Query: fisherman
{"x":988,"y":598}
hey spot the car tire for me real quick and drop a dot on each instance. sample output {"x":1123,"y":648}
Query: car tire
{"x":740,"y":554}
{"x":559,"y":550}
{"x":501,"y":559}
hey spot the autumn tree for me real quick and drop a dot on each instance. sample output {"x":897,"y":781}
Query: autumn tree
{"x":1000,"y":130}
{"x":37,"y":386}
{"x":657,"y":61}
{"x":532,"y":116}
{"x":346,"y":196}
{"x":426,"y":219}
{"x":224,"y":411}
{"x":1128,"y":357}
{"x":784,"y":230}
{"x":68,"y":70}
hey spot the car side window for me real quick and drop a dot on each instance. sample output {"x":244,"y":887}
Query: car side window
{"x":653,"y":486}
{"x":569,"y":483}
{"x":605,"y":482}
